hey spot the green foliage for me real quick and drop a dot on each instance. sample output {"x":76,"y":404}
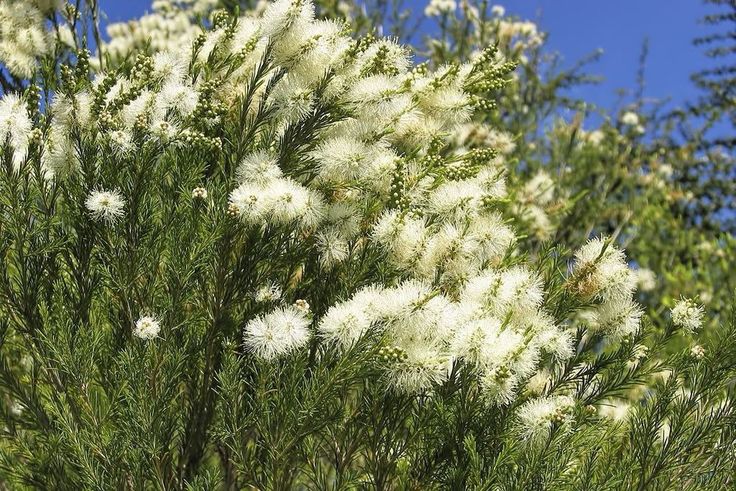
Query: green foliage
{"x":135,"y":273}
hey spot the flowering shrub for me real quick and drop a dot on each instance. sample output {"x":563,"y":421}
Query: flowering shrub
{"x":268,"y":254}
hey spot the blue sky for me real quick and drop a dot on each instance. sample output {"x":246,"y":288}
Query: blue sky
{"x":619,"y":27}
{"x":577,"y":27}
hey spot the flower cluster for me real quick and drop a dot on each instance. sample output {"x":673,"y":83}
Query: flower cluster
{"x":15,"y":126}
{"x":23,"y":37}
{"x":601,"y":276}
{"x":439,"y":7}
{"x":277,"y":332}
{"x":537,"y":417}
{"x":105,"y":205}
{"x":147,"y":327}
{"x":170,"y":25}
{"x":688,"y":314}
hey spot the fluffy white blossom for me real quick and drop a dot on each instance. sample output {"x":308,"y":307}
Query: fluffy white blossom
{"x":15,"y":126}
{"x":277,"y":333}
{"x":107,"y":206}
{"x":523,"y":34}
{"x":540,"y":188}
{"x":279,"y":201}
{"x":439,"y":7}
{"x":23,"y":37}
{"x":166,"y":29}
{"x":345,"y":323}
{"x":333,"y":248}
{"x":538,"y":416}
{"x":697,"y":352}
{"x":688,"y":315}
{"x":630,"y":118}
{"x":600,"y":271}
{"x":268,"y":293}
{"x":258,"y":167}
{"x":617,"y":317}
{"x":147,"y":327}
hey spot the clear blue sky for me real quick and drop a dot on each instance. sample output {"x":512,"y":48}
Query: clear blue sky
{"x":619,"y":27}
{"x":577,"y":27}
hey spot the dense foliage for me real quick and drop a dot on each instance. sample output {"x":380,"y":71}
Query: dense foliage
{"x":258,"y":247}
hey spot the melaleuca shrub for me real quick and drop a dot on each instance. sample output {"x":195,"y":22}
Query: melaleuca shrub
{"x":255,"y":261}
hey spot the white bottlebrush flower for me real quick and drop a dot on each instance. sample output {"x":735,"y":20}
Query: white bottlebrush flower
{"x":697,"y":352}
{"x":448,"y":105}
{"x":416,"y":325}
{"x":498,"y":10}
{"x":268,"y":293}
{"x":392,"y":54}
{"x":293,"y":99}
{"x":559,"y":344}
{"x":472,"y":335}
{"x":536,"y":384}
{"x":617,"y":317}
{"x":401,"y":235}
{"x":121,"y":140}
{"x":344,"y":218}
{"x":600,"y":271}
{"x":147,"y":327}
{"x":301,"y":305}
{"x":248,"y":202}
{"x":138,"y":107}
{"x":500,"y":141}
{"x":282,"y":15}
{"x":687,"y":314}
{"x":511,"y":351}
{"x":499,"y":385}
{"x":451,"y":250}
{"x":167,"y":66}
{"x":616,"y":409}
{"x":595,"y":137}
{"x":494,"y":238}
{"x":258,"y":167}
{"x":345,"y":323}
{"x":277,"y":333}
{"x":23,"y":37}
{"x":482,"y":288}
{"x":439,"y":7}
{"x":289,"y":201}
{"x":520,"y":291}
{"x":422,"y":367}
{"x":15,"y":126}
{"x":537,"y":219}
{"x":105,"y":205}
{"x":176,"y":96}
{"x":369,"y":298}
{"x":537,"y":417}
{"x":630,"y":118}
{"x":199,"y":193}
{"x":456,"y":198}
{"x":164,"y":131}
{"x":333,"y":248}
{"x":344,"y":159}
